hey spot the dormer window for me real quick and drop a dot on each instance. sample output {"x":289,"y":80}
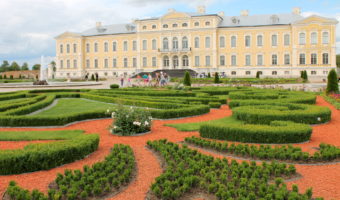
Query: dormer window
{"x":154,"y":26}
{"x":174,"y":25}
{"x":275,"y":19}
{"x":144,"y":27}
{"x":234,"y":20}
{"x":207,"y":23}
{"x":165,"y":26}
{"x":197,"y":23}
{"x":184,"y":25}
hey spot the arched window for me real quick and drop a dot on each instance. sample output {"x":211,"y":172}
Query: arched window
{"x":95,"y":47}
{"x":274,"y":59}
{"x":175,"y":61}
{"x":154,"y":44}
{"x":125,"y":62}
{"x":175,"y":43}
{"x":222,"y":42}
{"x":247,"y":41}
{"x":207,"y":23}
{"x":197,"y":24}
{"x":125,"y":45}
{"x":114,"y":46}
{"x":166,"y":61}
{"x":197,"y":42}
{"x":325,"y":37}
{"x":106,"y":47}
{"x":184,"y":25}
{"x":144,"y":27}
{"x":165,"y":43}
{"x":302,"y":59}
{"x":185,"y":60}
{"x":67,"y":48}
{"x":314,"y":59}
{"x":233,"y":60}
{"x":207,"y":42}
{"x":87,"y":48}
{"x":174,"y":25}
{"x":286,"y":40}
{"x":185,"y":43}
{"x":233,"y":41}
{"x":260,"y":40}
{"x":274,"y":40}
{"x":154,"y":26}
{"x":302,"y":38}
{"x":274,"y":72}
{"x":61,"y":48}
{"x":165,"y":26}
{"x":314,"y":38}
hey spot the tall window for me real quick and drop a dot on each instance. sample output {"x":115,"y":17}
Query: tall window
{"x":95,"y":63}
{"x":68,"y":64}
{"x":95,"y":47}
{"x":74,"y":48}
{"x":286,"y":40}
{"x":207,"y":60}
{"x":125,"y":45}
{"x":274,"y":59}
{"x":87,"y":63}
{"x":314,"y":38}
{"x":274,"y":40}
{"x":197,"y":42}
{"x":325,"y":37}
{"x":314,"y":59}
{"x":125,"y":62}
{"x":114,"y":62}
{"x":87,"y":48}
{"x":302,"y":38}
{"x":145,"y":62}
{"x":247,"y":41}
{"x":134,"y":62}
{"x":165,"y":43}
{"x":106,"y":47}
{"x":61,"y":64}
{"x":222,"y":60}
{"x":185,"y":43}
{"x":185,"y":61}
{"x":248,"y":60}
{"x":166,"y":61}
{"x":175,"y":43}
{"x":325,"y":58}
{"x":222,"y":42}
{"x":196,"y":24}
{"x":75,"y":64}
{"x":61,"y":48}
{"x":197,"y":61}
{"x":302,"y":59}
{"x":207,"y":42}
{"x":260,"y":40}
{"x":114,"y":46}
{"x":67,"y":48}
{"x":106,"y":63}
{"x":134,"y":45}
{"x":233,"y":60}
{"x":154,"y":61}
{"x":145,"y":44}
{"x":233,"y":41}
{"x":287,"y":59}
{"x":154,"y":44}
{"x":260,"y":60}
{"x":165,"y":26}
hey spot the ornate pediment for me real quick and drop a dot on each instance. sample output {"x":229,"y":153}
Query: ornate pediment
{"x":315,"y":19}
{"x":172,"y":14}
{"x":68,"y":35}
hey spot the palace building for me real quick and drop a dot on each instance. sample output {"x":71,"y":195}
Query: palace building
{"x":276,"y":45}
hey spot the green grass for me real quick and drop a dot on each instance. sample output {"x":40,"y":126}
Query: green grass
{"x":73,"y":106}
{"x":196,"y":126}
{"x":39,"y":135}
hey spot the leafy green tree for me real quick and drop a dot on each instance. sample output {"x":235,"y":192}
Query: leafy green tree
{"x":257,"y":74}
{"x":332,"y":82}
{"x":217,"y":78}
{"x":24,"y":66}
{"x":54,"y":66}
{"x":11,"y":77}
{"x":14,"y":66}
{"x":338,"y":60}
{"x":4,"y":66}
{"x":209,"y":75}
{"x":36,"y":67}
{"x":304,"y":76}
{"x":187,"y":79}
{"x":92,"y":77}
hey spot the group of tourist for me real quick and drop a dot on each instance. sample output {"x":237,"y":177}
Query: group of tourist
{"x":161,"y":79}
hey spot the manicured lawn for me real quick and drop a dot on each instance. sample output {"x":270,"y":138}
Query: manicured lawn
{"x":196,"y":126}
{"x":72,"y":106}
{"x":39,"y":135}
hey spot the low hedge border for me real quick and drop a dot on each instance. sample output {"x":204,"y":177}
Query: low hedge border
{"x":332,"y":101}
{"x":25,"y":102}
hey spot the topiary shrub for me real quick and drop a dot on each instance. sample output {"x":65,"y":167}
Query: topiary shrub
{"x":11,"y":77}
{"x":217,"y":78}
{"x":257,"y":74}
{"x":5,"y":77}
{"x":92,"y":77}
{"x":114,"y":86}
{"x":0,"y":76}
{"x":332,"y":82}
{"x":305,"y":76}
{"x":209,"y":75}
{"x":187,"y":79}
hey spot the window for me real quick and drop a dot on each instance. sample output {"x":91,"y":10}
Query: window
{"x":87,"y":63}
{"x":145,"y":62}
{"x":125,"y":62}
{"x":197,"y":42}
{"x":185,"y":44}
{"x":207,"y":42}
{"x":75,"y":64}
{"x":207,"y":60}
{"x":286,"y":72}
{"x":185,"y":61}
{"x":114,"y":62}
{"x":302,"y":59}
{"x":259,"y":40}
{"x":325,"y":37}
{"x":196,"y":24}
{"x":184,"y":25}
{"x":207,"y":23}
{"x":247,"y":41}
{"x":134,"y":62}
{"x":154,"y":62}
{"x":248,"y":72}
{"x":144,"y":44}
{"x":165,"y":43}
{"x":233,"y":73}
{"x":165,"y":26}
{"x":74,"y":48}
{"x":233,"y":41}
{"x":325,"y":72}
{"x":106,"y":47}
{"x":313,"y":72}
{"x":222,"y":42}
{"x":175,"y":61}
{"x":222,"y":60}
{"x":114,"y":46}
{"x":87,"y":48}
{"x":314,"y":59}
{"x":68,"y":64}
{"x":233,"y":60}
{"x":175,"y":43}
{"x":125,"y":45}
{"x":314,"y":38}
{"x":174,"y":25}
{"x":325,"y":58}
{"x":274,"y":59}
{"x":287,"y":59}
{"x":197,"y":61}
{"x":61,"y":48}
{"x":154,"y":26}
{"x":166,"y":62}
{"x":154,"y":44}
{"x":106,"y":63}
{"x":134,"y":45}
{"x":67,"y":48}
{"x":61,"y":64}
{"x":144,"y":27}
{"x":274,"y":40}
{"x":302,"y":38}
{"x":286,"y":39}
{"x":274,"y":72}
{"x":95,"y":47}
{"x":247,"y":60}
{"x":95,"y":63}
{"x":260,"y":60}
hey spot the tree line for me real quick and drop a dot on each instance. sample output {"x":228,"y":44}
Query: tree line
{"x":14,"y":66}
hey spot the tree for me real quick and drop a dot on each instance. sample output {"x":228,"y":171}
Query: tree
{"x":5,"y":66}
{"x":92,"y":77}
{"x":209,"y":76}
{"x":187,"y":79}
{"x":305,"y":76}
{"x":24,"y":66}
{"x":11,"y":77}
{"x":257,"y":74}
{"x":14,"y":66}
{"x":36,"y":67}
{"x":54,"y":68}
{"x":332,"y":82}
{"x":217,"y":78}
{"x":338,"y":60}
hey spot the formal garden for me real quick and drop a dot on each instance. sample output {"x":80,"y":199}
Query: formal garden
{"x":169,"y":143}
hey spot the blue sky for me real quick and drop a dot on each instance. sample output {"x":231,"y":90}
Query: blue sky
{"x":29,"y":26}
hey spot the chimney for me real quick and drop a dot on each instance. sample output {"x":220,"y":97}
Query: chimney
{"x":201,"y":9}
{"x":296,"y":11}
{"x":221,"y":14}
{"x":244,"y":12}
{"x":98,"y":25}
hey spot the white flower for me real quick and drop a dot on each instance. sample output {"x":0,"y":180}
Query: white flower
{"x":131,"y":107}
{"x":150,"y":118}
{"x":127,"y":116}
{"x":114,"y":127}
{"x":319,"y":119}
{"x":146,"y":123}
{"x":113,"y":114}
{"x":137,"y":123}
{"x":108,"y":110}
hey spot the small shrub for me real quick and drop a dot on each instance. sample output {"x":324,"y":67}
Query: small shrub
{"x":114,"y":86}
{"x":332,"y":82}
{"x":92,"y":77}
{"x":217,"y":78}
{"x":187,"y":79}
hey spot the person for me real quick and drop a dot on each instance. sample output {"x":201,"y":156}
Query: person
{"x":138,"y":79}
{"x":129,"y":81}
{"x":86,"y":76}
{"x":165,"y":78}
{"x":122,"y":81}
{"x":157,"y":79}
{"x":150,"y":80}
{"x":145,"y":79}
{"x":97,"y":77}
{"x":168,"y":79}
{"x":162,"y":79}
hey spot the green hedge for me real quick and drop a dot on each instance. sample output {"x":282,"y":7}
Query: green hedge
{"x":253,"y":95}
{"x":180,"y":112}
{"x":276,"y":132}
{"x":12,"y":96}
{"x":36,"y":157}
{"x":24,"y":102}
